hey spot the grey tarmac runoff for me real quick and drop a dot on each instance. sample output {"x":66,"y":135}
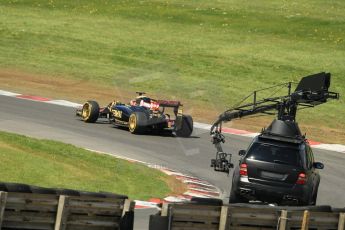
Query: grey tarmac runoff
{"x":187,"y":155}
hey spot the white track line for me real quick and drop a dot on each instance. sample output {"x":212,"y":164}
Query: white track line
{"x":9,"y":94}
{"x":64,"y":103}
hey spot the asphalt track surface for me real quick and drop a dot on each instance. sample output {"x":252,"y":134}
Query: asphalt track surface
{"x":188,"y":155}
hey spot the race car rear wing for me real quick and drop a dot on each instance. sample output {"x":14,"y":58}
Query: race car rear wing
{"x":165,"y":103}
{"x":178,"y":110}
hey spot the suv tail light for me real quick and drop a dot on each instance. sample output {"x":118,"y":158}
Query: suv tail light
{"x":243,"y":170}
{"x":302,"y":178}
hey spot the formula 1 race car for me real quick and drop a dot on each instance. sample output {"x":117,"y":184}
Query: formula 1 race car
{"x":141,"y":115}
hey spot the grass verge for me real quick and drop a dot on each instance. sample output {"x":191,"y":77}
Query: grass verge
{"x":55,"y":164}
{"x":209,"y":54}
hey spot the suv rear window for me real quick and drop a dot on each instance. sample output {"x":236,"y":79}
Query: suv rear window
{"x":274,"y":153}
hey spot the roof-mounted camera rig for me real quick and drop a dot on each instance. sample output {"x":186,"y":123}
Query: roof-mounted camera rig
{"x":311,"y":91}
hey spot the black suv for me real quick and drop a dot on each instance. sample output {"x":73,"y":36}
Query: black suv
{"x":278,"y":167}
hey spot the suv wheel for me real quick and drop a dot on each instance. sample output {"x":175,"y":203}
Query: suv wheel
{"x":315,"y":196}
{"x":235,"y":198}
{"x":310,"y":200}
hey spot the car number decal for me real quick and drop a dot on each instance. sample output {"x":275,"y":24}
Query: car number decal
{"x":117,"y":113}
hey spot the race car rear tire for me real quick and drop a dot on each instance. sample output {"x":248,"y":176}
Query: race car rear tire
{"x":137,"y":122}
{"x":186,"y":127}
{"x":90,"y":112}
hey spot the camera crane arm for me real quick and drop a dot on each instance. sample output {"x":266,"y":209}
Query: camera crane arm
{"x":311,"y":91}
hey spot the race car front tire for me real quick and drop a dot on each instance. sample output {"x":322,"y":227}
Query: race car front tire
{"x":186,"y":127}
{"x":90,"y":112}
{"x":137,"y":122}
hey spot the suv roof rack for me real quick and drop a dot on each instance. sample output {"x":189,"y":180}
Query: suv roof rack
{"x":288,"y":131}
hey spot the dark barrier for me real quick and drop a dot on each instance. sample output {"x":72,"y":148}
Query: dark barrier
{"x":30,"y":207}
{"x":209,"y":215}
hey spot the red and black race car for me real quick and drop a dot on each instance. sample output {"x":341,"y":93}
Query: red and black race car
{"x":141,"y":115}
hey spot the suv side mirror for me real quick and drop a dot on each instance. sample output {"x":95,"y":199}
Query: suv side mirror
{"x":242,"y":152}
{"x":318,"y":165}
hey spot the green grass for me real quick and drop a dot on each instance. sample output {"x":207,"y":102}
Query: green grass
{"x":212,"y":52}
{"x":54,"y":164}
